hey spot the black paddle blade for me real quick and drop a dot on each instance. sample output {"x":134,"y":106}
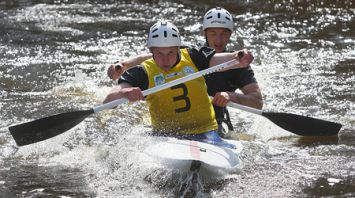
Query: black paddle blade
{"x":44,"y":128}
{"x":303,"y":125}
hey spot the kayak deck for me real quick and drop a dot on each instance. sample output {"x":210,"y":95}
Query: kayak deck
{"x":181,"y":154}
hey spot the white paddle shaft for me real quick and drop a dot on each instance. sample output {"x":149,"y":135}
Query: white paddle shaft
{"x":244,"y":108}
{"x":189,"y":77}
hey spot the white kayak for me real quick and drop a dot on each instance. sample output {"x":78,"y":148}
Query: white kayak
{"x":189,"y":155}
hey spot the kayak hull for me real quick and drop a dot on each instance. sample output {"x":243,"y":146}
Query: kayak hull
{"x":189,"y":155}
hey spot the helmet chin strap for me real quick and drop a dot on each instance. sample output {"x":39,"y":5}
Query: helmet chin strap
{"x":178,"y":57}
{"x":206,"y":40}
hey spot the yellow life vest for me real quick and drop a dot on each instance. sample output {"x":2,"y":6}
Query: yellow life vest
{"x":184,"y":108}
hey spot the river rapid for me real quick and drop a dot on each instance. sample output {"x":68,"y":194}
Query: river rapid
{"x":53,"y":59}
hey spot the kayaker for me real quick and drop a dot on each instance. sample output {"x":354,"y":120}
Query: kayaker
{"x":184,"y":108}
{"x":217,"y":27}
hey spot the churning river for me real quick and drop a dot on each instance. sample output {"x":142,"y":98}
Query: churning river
{"x":53,"y":59}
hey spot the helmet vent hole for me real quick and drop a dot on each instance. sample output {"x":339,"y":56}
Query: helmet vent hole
{"x":165,"y":34}
{"x":228,"y":18}
{"x":174,"y":35}
{"x":155,"y":36}
{"x":209,"y":17}
{"x":154,"y":30}
{"x":219,"y":15}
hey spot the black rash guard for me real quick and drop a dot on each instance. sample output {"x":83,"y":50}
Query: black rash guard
{"x":230,"y":81}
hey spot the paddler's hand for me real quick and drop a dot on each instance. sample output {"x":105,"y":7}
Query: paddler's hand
{"x":133,"y":94}
{"x":115,"y":71}
{"x":221,"y":99}
{"x":244,"y":57}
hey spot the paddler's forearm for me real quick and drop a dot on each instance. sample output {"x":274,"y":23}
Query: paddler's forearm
{"x":243,"y":57}
{"x":117,"y":69}
{"x":136,"y":60}
{"x":253,"y":99}
{"x":219,"y":58}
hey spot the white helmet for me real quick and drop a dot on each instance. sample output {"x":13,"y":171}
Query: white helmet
{"x":163,"y":34}
{"x":218,"y":18}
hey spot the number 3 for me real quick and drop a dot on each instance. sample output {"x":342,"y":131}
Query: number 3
{"x":182,"y":97}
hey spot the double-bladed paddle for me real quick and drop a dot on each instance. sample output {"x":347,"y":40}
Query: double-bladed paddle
{"x":47,"y":127}
{"x":297,"y":124}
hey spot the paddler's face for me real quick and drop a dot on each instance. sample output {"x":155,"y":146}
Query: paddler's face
{"x":218,"y":38}
{"x":165,"y":57}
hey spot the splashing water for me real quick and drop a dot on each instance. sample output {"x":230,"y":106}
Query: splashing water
{"x":191,"y":186}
